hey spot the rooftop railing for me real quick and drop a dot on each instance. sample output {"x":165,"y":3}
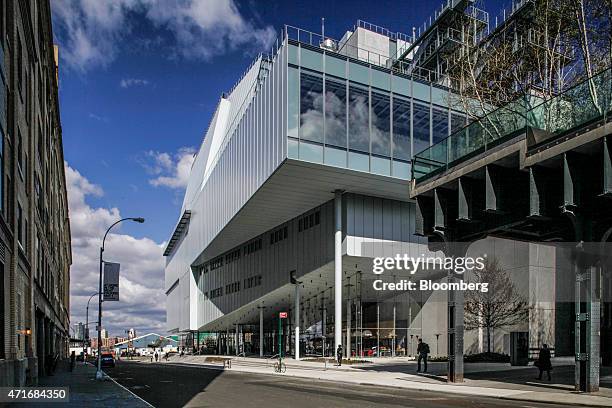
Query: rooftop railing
{"x":586,"y":102}
{"x":332,"y":45}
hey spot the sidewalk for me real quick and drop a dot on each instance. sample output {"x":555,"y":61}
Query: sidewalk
{"x":85,"y":391}
{"x":503,"y":381}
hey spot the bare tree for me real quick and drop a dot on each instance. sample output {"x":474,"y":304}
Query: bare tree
{"x":500,"y":307}
{"x":538,"y":50}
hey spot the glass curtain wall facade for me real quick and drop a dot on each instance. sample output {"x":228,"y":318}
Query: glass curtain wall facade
{"x":346,"y":113}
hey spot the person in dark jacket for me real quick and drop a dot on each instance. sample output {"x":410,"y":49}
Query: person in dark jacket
{"x":339,"y":354}
{"x":543,"y":362}
{"x":422,"y":351}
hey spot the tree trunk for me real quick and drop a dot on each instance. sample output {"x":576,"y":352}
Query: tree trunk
{"x":488,"y":339}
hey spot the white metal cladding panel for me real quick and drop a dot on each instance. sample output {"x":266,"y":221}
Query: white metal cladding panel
{"x":301,"y":251}
{"x":374,"y":225}
{"x":248,"y":159}
{"x":381,"y":223}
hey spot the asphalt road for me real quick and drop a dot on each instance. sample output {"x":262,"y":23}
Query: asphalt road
{"x":165,"y":385}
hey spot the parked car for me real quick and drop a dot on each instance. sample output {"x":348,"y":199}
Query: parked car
{"x":108,"y":360}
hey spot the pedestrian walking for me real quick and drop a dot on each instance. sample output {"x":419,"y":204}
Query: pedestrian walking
{"x":543,"y":362}
{"x":339,"y":354}
{"x":422,"y":351}
{"x":151,"y":357}
{"x":156,"y":356}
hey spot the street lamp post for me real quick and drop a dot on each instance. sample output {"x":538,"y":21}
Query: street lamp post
{"x":87,"y":328}
{"x":99,"y":375}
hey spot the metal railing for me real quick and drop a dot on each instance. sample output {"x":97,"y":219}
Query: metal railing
{"x":331,"y":45}
{"x":583,"y":103}
{"x":383,"y":31}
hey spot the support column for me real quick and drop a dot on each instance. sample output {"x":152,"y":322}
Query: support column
{"x":236,"y":340}
{"x":227,"y":337}
{"x":323,"y":324}
{"x":297,"y":322}
{"x":347,"y":352}
{"x":393,"y":341}
{"x":337,"y":269}
{"x":261,"y":331}
{"x":587,"y":328}
{"x":455,"y":334}
{"x":377,"y":329}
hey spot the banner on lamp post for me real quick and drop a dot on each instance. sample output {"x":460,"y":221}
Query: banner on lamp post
{"x":111,"y":281}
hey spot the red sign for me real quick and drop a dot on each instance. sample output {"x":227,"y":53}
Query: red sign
{"x":282,"y":315}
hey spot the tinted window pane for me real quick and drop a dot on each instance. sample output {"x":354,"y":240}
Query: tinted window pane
{"x":457,"y":121}
{"x":359,"y":134}
{"x":335,"y":113}
{"x":439,"y":124}
{"x":359,"y":161}
{"x":335,"y":157}
{"x":292,"y":51}
{"x":381,"y":124}
{"x":401,"y":169}
{"x":381,"y":166}
{"x":439,"y":96}
{"x":335,"y":66}
{"x":380,"y":79}
{"x":311,"y":107}
{"x":420,"y":127}
{"x":359,"y":73}
{"x":401,"y":85}
{"x":311,"y":152}
{"x":293,"y":102}
{"x":312,"y":59}
{"x":401,"y":128}
{"x":420,"y":91}
{"x":292,"y":148}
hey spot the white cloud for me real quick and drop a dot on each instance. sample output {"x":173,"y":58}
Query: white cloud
{"x":90,"y":32}
{"x":142,"y":298}
{"x":128,"y":82}
{"x":169,"y":170}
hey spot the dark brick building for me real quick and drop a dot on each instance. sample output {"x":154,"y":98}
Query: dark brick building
{"x":35,"y":254}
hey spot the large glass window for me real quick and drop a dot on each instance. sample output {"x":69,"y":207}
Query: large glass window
{"x":335,"y":113}
{"x":420,"y":127}
{"x":359,"y":132}
{"x":293,"y":102}
{"x":311,"y":107}
{"x":381,"y":124}
{"x":439,"y":124}
{"x":458,"y":121}
{"x":401,"y":129}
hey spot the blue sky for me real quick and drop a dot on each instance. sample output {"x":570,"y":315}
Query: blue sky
{"x":139,"y":81}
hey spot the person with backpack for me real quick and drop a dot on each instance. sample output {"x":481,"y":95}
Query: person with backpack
{"x":422,"y":351}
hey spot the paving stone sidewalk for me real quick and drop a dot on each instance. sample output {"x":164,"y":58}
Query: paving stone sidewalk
{"x":85,"y":391}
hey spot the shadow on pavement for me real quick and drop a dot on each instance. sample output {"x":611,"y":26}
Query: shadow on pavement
{"x":159,"y":384}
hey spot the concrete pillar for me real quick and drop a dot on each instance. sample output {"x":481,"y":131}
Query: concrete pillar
{"x":347,"y":352}
{"x":394,"y":334}
{"x":323,"y":324}
{"x":377,"y":329}
{"x":261,"y":331}
{"x":337,"y":269}
{"x":227,"y":337}
{"x":455,"y":333}
{"x":297,"y":322}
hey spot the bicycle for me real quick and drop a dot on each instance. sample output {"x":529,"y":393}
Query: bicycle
{"x":280,"y":367}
